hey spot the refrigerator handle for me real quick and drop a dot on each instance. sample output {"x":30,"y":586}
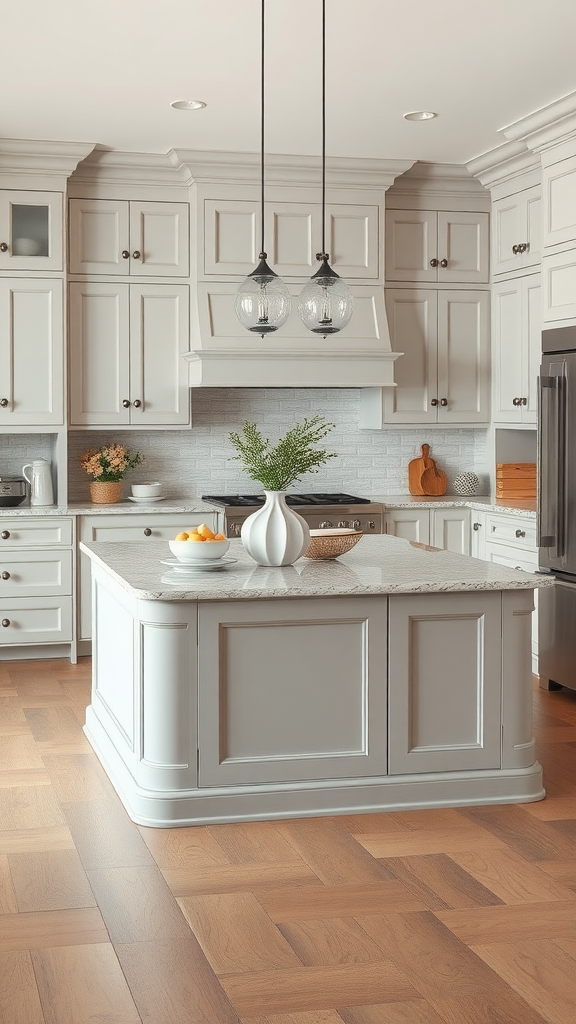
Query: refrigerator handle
{"x":550,"y":462}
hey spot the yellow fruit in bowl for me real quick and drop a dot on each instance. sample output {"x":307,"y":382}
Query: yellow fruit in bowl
{"x":196,"y":536}
{"x":181,"y":536}
{"x":205,"y":531}
{"x":219,"y":536}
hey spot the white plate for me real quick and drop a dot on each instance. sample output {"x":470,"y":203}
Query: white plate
{"x":199,"y":566}
{"x":145,"y":501}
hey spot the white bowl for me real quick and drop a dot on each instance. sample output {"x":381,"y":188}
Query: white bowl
{"x":26,"y":247}
{"x":150,"y":489}
{"x":198,"y":550}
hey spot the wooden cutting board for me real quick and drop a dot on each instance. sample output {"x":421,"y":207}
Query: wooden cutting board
{"x":433,"y":480}
{"x":416,"y":468}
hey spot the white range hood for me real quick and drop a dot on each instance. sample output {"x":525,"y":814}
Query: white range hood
{"x":226,"y":222}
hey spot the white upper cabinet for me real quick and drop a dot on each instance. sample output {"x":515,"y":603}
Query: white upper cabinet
{"x":30,"y":231}
{"x":137,"y":239}
{"x":126,"y":354}
{"x":431,"y":246}
{"x":559,"y":203}
{"x":293,"y":233}
{"x":516,"y":347}
{"x":31,"y":352}
{"x":517,"y":231}
{"x":443,"y":374}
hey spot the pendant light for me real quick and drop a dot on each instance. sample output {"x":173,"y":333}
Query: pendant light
{"x":262,"y":301}
{"x":325,"y":305}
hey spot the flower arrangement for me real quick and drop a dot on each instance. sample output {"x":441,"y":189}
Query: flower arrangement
{"x":276,"y":468}
{"x":109,"y":463}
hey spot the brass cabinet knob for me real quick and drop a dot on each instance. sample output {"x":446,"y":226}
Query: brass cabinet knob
{"x":125,"y":254}
{"x":434,"y":262}
{"x":520,"y":248}
{"x":136,"y":403}
{"x":3,"y":247}
{"x":5,"y":534}
{"x":515,"y":401}
{"x":5,"y":575}
{"x":3,"y":402}
{"x":126,"y":403}
{"x":147,"y":532}
{"x":136,"y":255}
{"x":444,"y":263}
{"x":476,"y":526}
{"x":5,"y":622}
{"x":434,"y":401}
{"x":520,"y":533}
{"x":444,"y":401}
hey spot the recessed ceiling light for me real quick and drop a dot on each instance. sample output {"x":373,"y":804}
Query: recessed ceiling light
{"x":188,"y":104}
{"x":419,"y":115}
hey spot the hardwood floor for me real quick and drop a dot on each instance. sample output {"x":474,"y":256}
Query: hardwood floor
{"x":453,"y":916}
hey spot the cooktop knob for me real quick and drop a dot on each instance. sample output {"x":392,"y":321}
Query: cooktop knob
{"x":344,"y":522}
{"x":325,"y":524}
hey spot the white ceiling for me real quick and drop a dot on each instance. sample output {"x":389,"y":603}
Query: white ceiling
{"x":106,"y":71}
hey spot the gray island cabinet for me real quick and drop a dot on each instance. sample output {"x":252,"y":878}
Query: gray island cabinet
{"x":397,"y":676}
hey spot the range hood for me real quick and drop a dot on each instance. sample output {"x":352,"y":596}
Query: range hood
{"x":225,"y":217}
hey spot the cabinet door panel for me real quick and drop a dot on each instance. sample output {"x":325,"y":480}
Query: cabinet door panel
{"x":446,"y":654}
{"x":412,"y":319}
{"x":463,"y":242}
{"x":31,"y":352}
{"x":159,"y":232}
{"x":411,"y":242}
{"x":99,"y":353}
{"x":31,"y":227}
{"x":463,"y":357}
{"x":451,"y":529}
{"x":99,"y":234}
{"x":268,"y":672}
{"x":508,"y":341}
{"x":409,"y":523}
{"x":559,"y":286}
{"x":353,"y":233}
{"x":159,"y":337}
{"x":294,"y":230}
{"x":506,"y":231}
{"x":532,"y":293}
{"x":533,"y":221}
{"x":231,"y":236}
{"x":559,"y":202}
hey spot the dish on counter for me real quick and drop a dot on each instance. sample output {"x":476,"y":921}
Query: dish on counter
{"x":183,"y":568}
{"x":145,"y":501}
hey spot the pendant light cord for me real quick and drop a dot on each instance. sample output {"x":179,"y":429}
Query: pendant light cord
{"x":324,"y":130}
{"x":262,"y":253}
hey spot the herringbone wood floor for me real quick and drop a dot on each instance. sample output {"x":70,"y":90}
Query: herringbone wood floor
{"x":435,"y":917}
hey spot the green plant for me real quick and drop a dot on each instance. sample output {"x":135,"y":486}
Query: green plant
{"x":109,"y":463}
{"x":278,"y":466}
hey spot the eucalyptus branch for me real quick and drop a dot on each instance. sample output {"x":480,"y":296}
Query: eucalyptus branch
{"x":277,"y":467}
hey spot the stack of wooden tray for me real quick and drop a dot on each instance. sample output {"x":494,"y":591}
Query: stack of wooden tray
{"x":516,"y":480}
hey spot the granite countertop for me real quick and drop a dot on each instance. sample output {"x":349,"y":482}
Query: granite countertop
{"x":525,"y":507}
{"x":376,"y":565}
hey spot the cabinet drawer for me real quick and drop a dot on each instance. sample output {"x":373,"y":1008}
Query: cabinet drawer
{"x":29,"y":620}
{"x":512,"y":557}
{"x":132,"y":528}
{"x":35,"y":573}
{"x":519,"y":532}
{"x":23,"y":532}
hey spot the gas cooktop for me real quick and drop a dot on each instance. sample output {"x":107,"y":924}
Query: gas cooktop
{"x":244,"y":500}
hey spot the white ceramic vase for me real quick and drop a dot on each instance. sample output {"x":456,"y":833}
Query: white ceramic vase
{"x":275,"y":534}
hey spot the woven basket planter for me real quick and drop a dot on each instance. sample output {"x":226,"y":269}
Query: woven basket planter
{"x":105,"y":492}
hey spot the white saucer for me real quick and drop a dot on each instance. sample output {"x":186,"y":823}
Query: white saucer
{"x":200,"y":566}
{"x":145,"y":501}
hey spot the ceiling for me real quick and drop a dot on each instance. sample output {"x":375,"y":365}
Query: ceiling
{"x":106,"y":71}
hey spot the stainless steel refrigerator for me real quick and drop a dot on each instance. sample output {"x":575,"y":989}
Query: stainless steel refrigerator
{"x":557,"y":508}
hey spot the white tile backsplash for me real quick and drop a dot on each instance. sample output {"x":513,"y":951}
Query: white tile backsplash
{"x":201,"y":460}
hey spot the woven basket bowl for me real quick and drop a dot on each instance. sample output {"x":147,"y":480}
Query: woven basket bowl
{"x":331,"y":543}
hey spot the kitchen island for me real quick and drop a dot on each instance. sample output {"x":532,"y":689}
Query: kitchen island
{"x":395,"y":677}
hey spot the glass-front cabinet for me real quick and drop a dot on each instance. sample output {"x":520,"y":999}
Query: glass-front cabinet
{"x":30,"y":230}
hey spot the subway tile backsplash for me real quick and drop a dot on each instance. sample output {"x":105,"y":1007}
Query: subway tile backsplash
{"x":201,"y":460}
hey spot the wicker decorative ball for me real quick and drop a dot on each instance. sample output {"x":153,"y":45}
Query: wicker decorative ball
{"x":466,"y":483}
{"x":331,"y":543}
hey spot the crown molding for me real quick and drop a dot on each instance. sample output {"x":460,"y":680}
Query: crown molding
{"x":546,"y":126}
{"x":104,"y":166}
{"x":440,"y":179}
{"x":52,"y":161}
{"x":229,"y":168}
{"x":503,"y":163}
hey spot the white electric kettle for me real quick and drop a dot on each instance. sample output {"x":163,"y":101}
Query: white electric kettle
{"x":40,"y":480}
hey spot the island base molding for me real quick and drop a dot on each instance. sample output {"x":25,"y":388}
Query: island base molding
{"x":170,"y":809}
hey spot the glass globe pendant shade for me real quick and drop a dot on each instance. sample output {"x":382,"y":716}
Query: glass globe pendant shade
{"x":262,"y":301}
{"x":325,"y":304}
